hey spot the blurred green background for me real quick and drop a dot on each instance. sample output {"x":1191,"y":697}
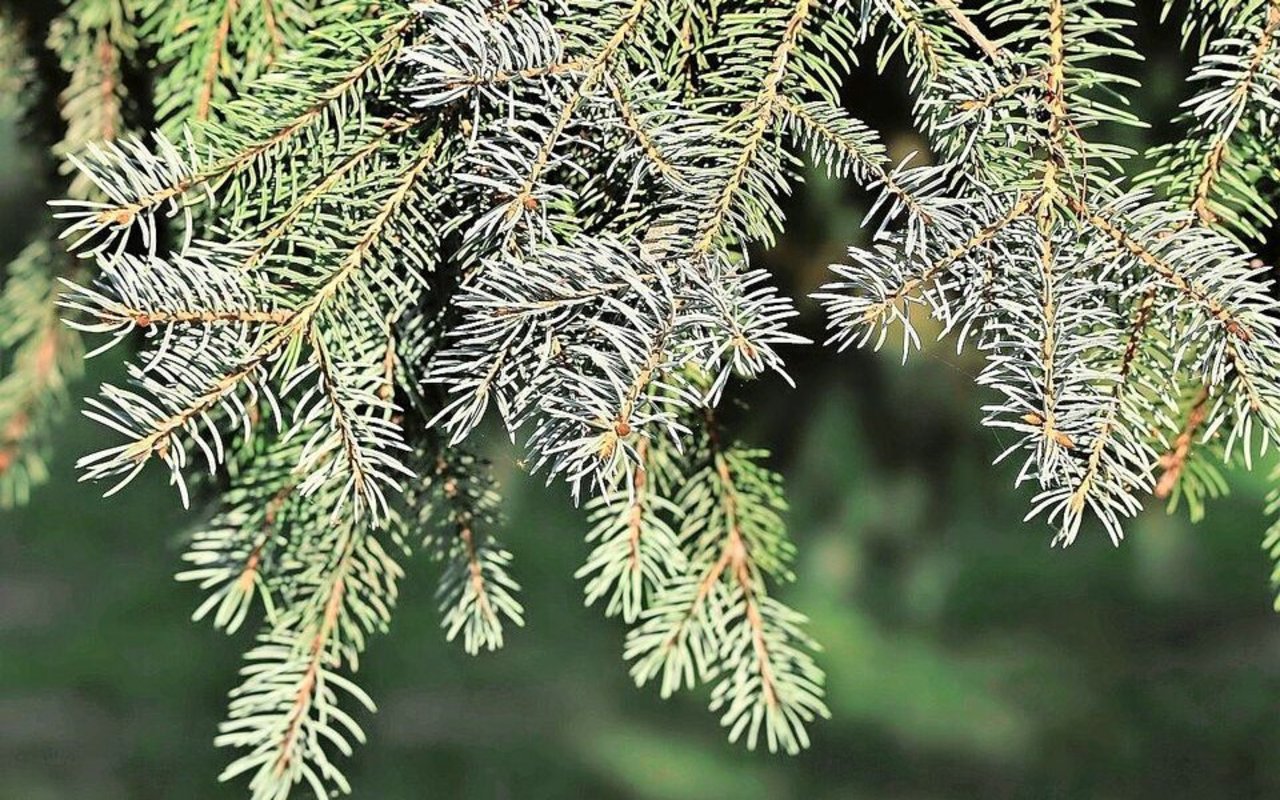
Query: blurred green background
{"x":964,"y":657}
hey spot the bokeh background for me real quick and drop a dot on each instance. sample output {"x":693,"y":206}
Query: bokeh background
{"x":964,"y":657}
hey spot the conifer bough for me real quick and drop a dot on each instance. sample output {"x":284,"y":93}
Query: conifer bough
{"x":337,"y":237}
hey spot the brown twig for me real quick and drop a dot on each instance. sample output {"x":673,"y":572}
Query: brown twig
{"x":962,"y":21}
{"x":1175,"y":460}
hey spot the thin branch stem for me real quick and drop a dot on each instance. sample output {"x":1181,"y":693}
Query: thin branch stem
{"x":1174,"y":461}
{"x":962,"y":21}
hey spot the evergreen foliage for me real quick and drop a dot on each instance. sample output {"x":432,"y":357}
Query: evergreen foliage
{"x":342,"y":236}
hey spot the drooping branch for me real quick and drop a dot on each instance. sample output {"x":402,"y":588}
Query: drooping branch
{"x":1209,"y":172}
{"x":760,"y":115}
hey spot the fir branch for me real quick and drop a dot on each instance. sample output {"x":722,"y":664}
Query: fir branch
{"x":1045,"y":206}
{"x":141,"y":183}
{"x":1193,"y":291}
{"x":286,"y":713}
{"x":758,"y":118}
{"x":718,"y":619}
{"x":157,"y":430}
{"x":858,"y":319}
{"x":240,"y":555}
{"x":477,"y":594}
{"x":638,"y":548}
{"x":646,"y":138}
{"x":595,"y":70}
{"x":924,"y":48}
{"x":17,"y":66}
{"x":1110,"y":428}
{"x":1175,"y":460}
{"x":94,"y":40}
{"x":277,"y":228}
{"x":848,"y":148}
{"x":212,"y":49}
{"x":547,"y":209}
{"x":39,"y":357}
{"x":1221,"y":110}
